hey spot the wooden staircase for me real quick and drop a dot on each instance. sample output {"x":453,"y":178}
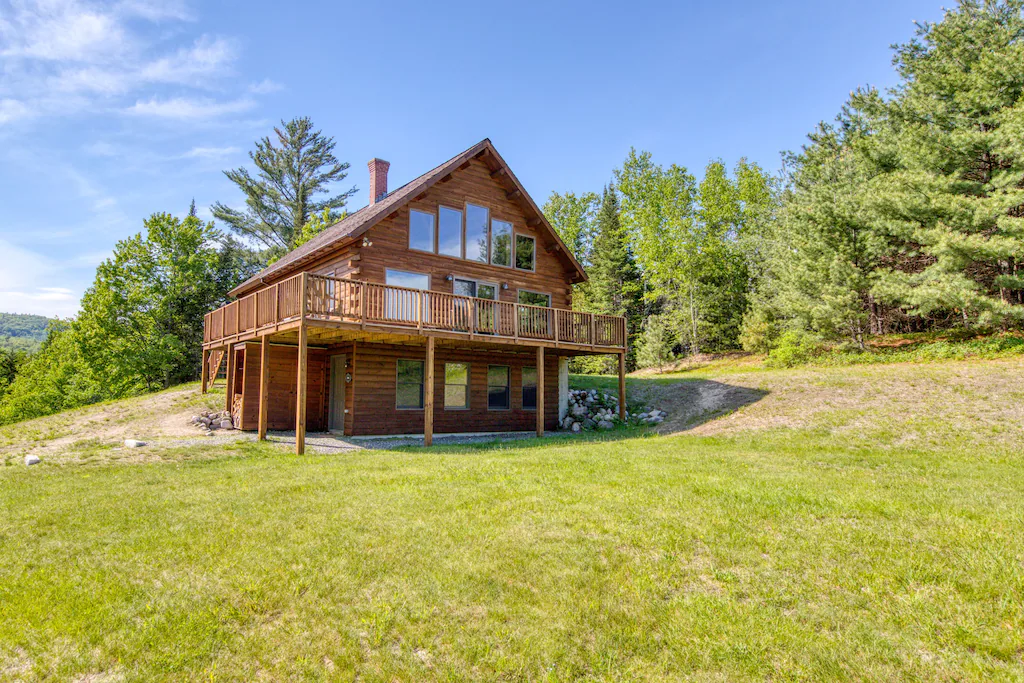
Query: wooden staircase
{"x":215,"y":360}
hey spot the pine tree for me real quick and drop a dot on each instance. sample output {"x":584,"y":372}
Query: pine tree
{"x":615,"y":284}
{"x":282,"y":197}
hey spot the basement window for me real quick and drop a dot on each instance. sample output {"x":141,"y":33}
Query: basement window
{"x":409,"y":389}
{"x":456,"y":386}
{"x":497,"y":387}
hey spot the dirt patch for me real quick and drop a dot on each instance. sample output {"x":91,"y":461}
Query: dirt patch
{"x":159,"y":419}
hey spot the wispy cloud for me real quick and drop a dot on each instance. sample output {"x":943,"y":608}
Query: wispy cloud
{"x":265,"y":87}
{"x":209,"y":152}
{"x":183,"y":108}
{"x":208,"y":58}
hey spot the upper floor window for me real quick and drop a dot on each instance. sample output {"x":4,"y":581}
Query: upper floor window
{"x":501,"y":243}
{"x":421,"y":230}
{"x":477,"y":244}
{"x":449,"y":232}
{"x":534,"y":298}
{"x":526,"y":252}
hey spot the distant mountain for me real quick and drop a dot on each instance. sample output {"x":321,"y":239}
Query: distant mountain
{"x":22,"y":332}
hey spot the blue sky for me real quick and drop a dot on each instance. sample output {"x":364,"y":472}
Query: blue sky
{"x":112,"y":111}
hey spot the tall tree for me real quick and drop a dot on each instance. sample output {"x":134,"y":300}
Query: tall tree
{"x":292,"y":171}
{"x":615,"y":284}
{"x":572,"y":217}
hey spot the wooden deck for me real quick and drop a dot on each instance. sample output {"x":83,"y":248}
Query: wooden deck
{"x":308,"y":300}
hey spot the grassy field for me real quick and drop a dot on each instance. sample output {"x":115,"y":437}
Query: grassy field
{"x":828,"y":524}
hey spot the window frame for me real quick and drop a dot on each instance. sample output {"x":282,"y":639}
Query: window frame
{"x":530,"y":291}
{"x":487,"y":226}
{"x":477,"y":282}
{"x":522,"y":387}
{"x":423,"y":371}
{"x":462,"y":232}
{"x":433,"y":216}
{"x":511,"y":246}
{"x":515,"y":252}
{"x":469,"y":383}
{"x":508,"y":388}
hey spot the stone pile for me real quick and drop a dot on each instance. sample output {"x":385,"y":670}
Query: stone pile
{"x":208,"y":421}
{"x":600,"y":410}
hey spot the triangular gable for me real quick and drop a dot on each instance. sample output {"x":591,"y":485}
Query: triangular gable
{"x":355,"y":225}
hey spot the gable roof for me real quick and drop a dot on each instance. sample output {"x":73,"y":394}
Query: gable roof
{"x":356,"y":224}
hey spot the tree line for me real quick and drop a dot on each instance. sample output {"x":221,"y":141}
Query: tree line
{"x":904,"y":214}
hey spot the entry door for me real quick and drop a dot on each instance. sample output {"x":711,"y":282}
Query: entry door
{"x":336,"y":421}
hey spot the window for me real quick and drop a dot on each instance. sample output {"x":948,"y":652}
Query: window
{"x":421,"y":230}
{"x":526,"y":252}
{"x":401,"y":305}
{"x":497,"y":387}
{"x":476,"y":233}
{"x":529,"y":388}
{"x":449,"y":232}
{"x":409,"y":393}
{"x":456,"y":386}
{"x":464,"y":287}
{"x":486,"y":290}
{"x":534,"y":298}
{"x":501,"y":243}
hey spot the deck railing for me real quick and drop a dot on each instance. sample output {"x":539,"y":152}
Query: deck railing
{"x":331,"y":299}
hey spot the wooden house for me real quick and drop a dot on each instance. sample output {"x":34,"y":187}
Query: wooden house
{"x":445,"y":305}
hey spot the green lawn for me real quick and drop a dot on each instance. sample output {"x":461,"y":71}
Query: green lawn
{"x":783,"y":554}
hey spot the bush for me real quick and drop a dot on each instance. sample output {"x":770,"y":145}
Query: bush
{"x":795,"y":347}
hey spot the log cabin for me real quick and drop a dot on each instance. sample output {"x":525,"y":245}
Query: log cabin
{"x":444,"y":306}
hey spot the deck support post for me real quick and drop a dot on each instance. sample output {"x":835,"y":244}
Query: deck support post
{"x":264,"y":385}
{"x":622,"y":387}
{"x":204,"y":374}
{"x":428,"y":396}
{"x":230,"y":388}
{"x":300,"y":398}
{"x":540,"y":391}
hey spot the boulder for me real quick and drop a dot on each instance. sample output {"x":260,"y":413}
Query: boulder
{"x":225,"y":423}
{"x":31,"y":460}
{"x":589,"y":424}
{"x":134,"y":443}
{"x":205,"y":421}
{"x":605,"y":424}
{"x":576,"y":427}
{"x":579,"y":411}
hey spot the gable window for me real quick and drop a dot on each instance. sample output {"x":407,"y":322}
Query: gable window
{"x":409,"y":385}
{"x":501,"y":243}
{"x":477,"y":244}
{"x":529,"y":388}
{"x":526,"y":252}
{"x":421,"y":230}
{"x":497,"y":387}
{"x":456,"y":386}
{"x":449,"y":232}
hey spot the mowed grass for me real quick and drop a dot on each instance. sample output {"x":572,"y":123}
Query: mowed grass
{"x":783,"y":554}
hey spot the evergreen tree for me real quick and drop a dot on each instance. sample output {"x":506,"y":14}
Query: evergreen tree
{"x":282,"y":197}
{"x":615,"y":285}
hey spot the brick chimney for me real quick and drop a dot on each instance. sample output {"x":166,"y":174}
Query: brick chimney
{"x":378,"y":179}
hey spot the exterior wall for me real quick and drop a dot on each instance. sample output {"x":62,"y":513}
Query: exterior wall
{"x":390,"y":239}
{"x":375,"y":392}
{"x":283,"y":384}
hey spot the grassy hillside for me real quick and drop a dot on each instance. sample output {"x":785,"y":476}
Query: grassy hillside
{"x":859,"y":523}
{"x":22,"y":332}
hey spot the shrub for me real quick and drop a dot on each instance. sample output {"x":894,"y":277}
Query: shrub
{"x":794,"y":348}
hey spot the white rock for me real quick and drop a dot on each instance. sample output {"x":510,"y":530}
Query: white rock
{"x":134,"y":443}
{"x":31,"y":460}
{"x":576,"y":426}
{"x":226,"y":424}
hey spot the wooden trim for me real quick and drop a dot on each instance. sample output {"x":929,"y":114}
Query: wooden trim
{"x":540,"y":391}
{"x":428,"y":396}
{"x":622,"y":386}
{"x":264,"y":386}
{"x":204,"y":372}
{"x":230,"y":388}
{"x":300,"y":398}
